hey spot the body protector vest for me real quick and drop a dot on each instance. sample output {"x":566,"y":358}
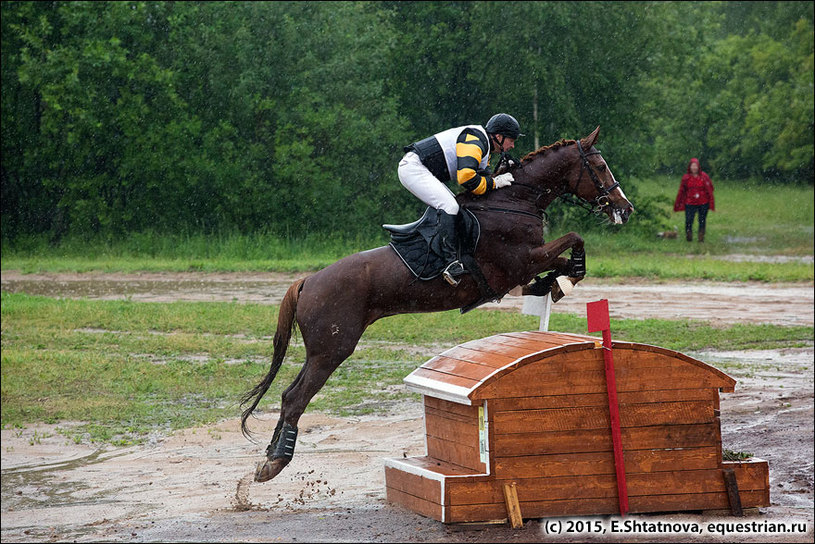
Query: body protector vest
{"x":438,"y":152}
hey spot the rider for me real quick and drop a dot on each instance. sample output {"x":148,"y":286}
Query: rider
{"x":461,"y":154}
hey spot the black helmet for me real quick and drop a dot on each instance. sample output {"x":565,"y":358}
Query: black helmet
{"x":504,"y":124}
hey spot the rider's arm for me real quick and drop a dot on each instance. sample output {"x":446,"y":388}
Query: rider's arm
{"x":470,"y":149}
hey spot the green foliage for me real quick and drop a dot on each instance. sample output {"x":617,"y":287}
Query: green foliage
{"x":289,"y":117}
{"x":736,"y":92}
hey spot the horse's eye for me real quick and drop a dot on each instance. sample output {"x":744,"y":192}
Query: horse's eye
{"x":602,"y":168}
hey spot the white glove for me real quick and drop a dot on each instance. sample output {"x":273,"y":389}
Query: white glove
{"x":503,"y":180}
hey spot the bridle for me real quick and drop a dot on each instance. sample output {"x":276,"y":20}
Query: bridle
{"x":596,"y":206}
{"x":602,"y":200}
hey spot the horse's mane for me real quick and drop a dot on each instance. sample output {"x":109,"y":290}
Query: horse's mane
{"x":541,"y":150}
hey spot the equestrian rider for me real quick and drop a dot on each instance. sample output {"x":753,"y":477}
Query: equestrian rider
{"x":461,"y":154}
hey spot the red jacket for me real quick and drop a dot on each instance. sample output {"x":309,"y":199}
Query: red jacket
{"x":694,"y":190}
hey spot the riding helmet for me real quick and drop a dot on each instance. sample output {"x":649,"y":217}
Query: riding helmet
{"x":504,"y":124}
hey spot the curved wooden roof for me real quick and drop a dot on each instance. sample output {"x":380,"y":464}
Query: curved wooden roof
{"x":503,"y":366}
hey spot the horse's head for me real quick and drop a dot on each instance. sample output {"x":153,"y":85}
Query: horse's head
{"x":591,"y":180}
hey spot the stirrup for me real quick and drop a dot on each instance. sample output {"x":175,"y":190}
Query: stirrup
{"x":452,"y":271}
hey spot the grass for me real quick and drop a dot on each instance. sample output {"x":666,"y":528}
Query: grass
{"x":126,"y":369}
{"x":751,"y":218}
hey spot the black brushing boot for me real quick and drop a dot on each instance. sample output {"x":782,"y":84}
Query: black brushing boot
{"x":449,"y":239}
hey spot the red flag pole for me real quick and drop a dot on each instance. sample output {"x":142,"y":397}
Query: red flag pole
{"x":598,"y":320}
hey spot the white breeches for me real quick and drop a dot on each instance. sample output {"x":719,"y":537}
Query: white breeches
{"x":425,"y":186}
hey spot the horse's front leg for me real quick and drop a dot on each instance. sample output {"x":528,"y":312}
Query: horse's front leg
{"x":547,"y":257}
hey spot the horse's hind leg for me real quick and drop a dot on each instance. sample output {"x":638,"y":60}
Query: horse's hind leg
{"x":312,"y":377}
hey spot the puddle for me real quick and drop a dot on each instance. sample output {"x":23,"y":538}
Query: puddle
{"x":43,"y":486}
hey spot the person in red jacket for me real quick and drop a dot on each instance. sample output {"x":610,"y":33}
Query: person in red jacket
{"x":695,"y":196}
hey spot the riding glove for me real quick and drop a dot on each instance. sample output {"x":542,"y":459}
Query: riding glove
{"x":503,"y":180}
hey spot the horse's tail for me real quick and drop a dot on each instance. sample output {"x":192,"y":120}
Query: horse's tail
{"x":285,"y":326}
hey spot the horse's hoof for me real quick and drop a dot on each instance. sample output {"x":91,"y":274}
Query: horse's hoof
{"x":562,"y":287}
{"x":266,"y":470}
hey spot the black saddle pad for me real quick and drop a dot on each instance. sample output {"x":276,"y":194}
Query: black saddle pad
{"x":418,"y":244}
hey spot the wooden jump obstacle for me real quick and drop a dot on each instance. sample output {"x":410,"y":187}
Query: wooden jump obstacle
{"x":520,"y":421}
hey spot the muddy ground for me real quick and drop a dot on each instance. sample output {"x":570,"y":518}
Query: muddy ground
{"x":196,"y":485}
{"x":747,"y":302}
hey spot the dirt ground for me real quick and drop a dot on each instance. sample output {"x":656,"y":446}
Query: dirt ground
{"x":196,"y":485}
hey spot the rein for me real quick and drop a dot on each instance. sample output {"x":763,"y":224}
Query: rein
{"x":540,"y":217}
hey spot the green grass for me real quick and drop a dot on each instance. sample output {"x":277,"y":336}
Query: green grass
{"x":125,"y":369}
{"x":751,"y":218}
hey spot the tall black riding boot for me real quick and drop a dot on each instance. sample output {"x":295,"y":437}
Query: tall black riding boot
{"x":701,"y":235}
{"x":449,"y":243}
{"x":689,"y":235}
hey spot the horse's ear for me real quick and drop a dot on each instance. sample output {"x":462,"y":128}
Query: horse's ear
{"x":590,"y":140}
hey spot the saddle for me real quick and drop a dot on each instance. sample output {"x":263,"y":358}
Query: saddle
{"x":418,"y":244}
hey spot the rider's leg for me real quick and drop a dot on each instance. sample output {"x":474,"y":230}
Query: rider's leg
{"x":426,"y":187}
{"x":449,"y":247}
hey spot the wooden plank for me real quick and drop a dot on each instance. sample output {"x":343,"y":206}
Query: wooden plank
{"x":442,"y":405}
{"x":465,"y":455}
{"x":494,"y":358}
{"x":458,"y":367}
{"x":436,"y":466}
{"x":578,"y":507}
{"x":528,"y":344}
{"x":729,"y":477}
{"x":443,"y":377}
{"x":413,"y":503}
{"x":727,"y":383}
{"x":453,"y":416}
{"x":631,"y":415}
{"x":596,"y":440}
{"x":752,"y":474}
{"x":457,"y":430}
{"x":601,"y":463}
{"x":588,"y":487}
{"x":550,"y":336}
{"x":513,"y":508}
{"x":532,"y":381}
{"x":600,"y":399}
{"x":508,"y":349}
{"x":753,"y":477}
{"x":413,"y":484}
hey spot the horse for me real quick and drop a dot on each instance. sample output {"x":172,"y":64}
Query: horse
{"x":334,"y":306}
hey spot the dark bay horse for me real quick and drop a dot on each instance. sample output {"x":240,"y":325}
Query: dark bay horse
{"x":334,"y":306}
